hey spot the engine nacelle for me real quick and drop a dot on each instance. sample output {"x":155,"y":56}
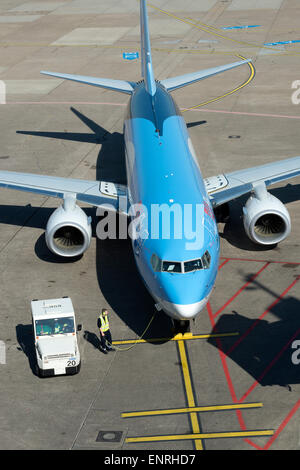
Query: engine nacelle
{"x":266,"y":220}
{"x":68,"y":231}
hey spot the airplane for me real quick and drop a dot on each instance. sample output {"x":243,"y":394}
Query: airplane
{"x":163,"y":173}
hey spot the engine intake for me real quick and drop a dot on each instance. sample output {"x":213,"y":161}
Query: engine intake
{"x":68,"y":231}
{"x":266,"y":220}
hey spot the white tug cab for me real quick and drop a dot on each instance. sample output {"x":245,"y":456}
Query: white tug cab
{"x":55,"y":337}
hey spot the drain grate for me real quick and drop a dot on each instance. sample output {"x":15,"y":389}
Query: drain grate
{"x":109,"y":436}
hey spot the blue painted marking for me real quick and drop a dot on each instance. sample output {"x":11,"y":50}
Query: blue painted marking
{"x":242,"y":27}
{"x":130,"y":55}
{"x":280,"y":42}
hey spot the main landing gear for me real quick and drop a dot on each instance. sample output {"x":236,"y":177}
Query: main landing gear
{"x":222,"y":213}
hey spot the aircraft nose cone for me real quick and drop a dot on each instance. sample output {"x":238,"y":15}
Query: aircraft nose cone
{"x":184,"y":311}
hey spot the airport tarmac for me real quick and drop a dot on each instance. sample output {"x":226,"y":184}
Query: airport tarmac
{"x":231,"y":384}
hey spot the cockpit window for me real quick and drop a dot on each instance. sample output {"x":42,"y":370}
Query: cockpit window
{"x":171,"y":266}
{"x":156,"y":263}
{"x":193,"y":265}
{"x":181,"y":266}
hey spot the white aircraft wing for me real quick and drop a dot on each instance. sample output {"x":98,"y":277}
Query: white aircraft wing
{"x":225,"y":187}
{"x":95,"y":193}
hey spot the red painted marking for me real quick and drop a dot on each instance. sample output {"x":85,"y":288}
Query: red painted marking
{"x":222,"y":356}
{"x":183,"y":109}
{"x":262,"y":316}
{"x":282,"y":426}
{"x":260,"y":260}
{"x":225,"y":368}
{"x":274,"y":360}
{"x":256,"y":446}
{"x":241,"y":289}
{"x":241,"y":113}
{"x":223,"y":264}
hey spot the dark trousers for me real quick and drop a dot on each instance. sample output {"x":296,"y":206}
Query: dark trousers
{"x":104,"y":339}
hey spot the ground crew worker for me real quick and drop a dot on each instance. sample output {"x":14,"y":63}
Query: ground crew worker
{"x":105,"y":335}
{"x":56,"y":328}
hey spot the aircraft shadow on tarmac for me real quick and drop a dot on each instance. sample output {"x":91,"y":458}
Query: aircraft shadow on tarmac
{"x":36,"y":217}
{"x":117,"y":274}
{"x":263,"y":348}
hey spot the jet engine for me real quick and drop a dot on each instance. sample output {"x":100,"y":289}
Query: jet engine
{"x":68,"y":231}
{"x":266,"y":220}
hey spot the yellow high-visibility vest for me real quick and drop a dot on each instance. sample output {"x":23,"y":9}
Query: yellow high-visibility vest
{"x":104,"y":323}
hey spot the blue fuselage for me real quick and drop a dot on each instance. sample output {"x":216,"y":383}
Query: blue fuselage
{"x":164,"y":177}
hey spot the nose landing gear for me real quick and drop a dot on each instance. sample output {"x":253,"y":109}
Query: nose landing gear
{"x":182,"y":326}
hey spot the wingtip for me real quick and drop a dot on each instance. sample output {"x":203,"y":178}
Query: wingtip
{"x":44,"y":72}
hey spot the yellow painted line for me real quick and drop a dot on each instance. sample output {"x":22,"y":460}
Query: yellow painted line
{"x":196,"y":409}
{"x":189,"y":393}
{"x":214,"y":435}
{"x":203,"y":24}
{"x":250,"y":78}
{"x":199,"y":25}
{"x":204,"y":29}
{"x":179,"y":337}
{"x":201,"y":28}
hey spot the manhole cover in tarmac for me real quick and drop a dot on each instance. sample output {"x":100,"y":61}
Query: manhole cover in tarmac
{"x":109,"y":436}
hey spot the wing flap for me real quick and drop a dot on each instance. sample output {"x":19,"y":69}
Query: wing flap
{"x":270,"y":172}
{"x":241,"y":181}
{"x":90,"y":192}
